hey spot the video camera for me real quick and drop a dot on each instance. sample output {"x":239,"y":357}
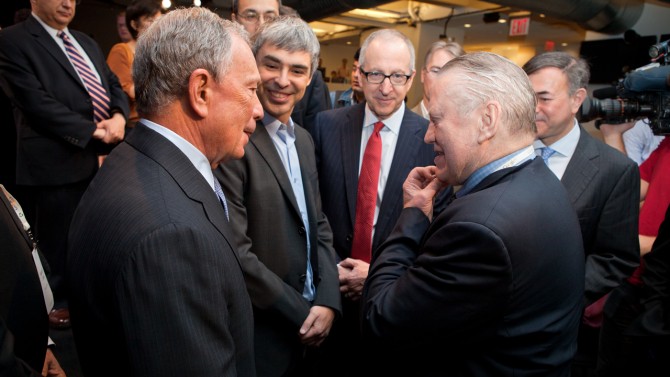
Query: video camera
{"x":643,"y":93}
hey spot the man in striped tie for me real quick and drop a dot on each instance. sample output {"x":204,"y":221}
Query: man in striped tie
{"x":69,"y":108}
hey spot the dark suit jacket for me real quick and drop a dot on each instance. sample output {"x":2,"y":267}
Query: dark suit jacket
{"x":604,"y":188}
{"x":315,"y":100}
{"x":54,"y":113}
{"x":493,"y":287}
{"x":337,"y":136}
{"x":23,"y":315}
{"x":156,"y":287}
{"x":272,"y":245}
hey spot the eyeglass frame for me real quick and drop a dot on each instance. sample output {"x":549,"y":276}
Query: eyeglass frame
{"x":255,"y":17}
{"x":367,"y":78}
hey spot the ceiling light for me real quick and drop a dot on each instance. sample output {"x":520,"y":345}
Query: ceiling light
{"x":197,"y":3}
{"x":564,"y":44}
{"x":502,"y":21}
{"x":542,"y":15}
{"x":167,"y":4}
{"x":467,"y":25}
{"x":373,"y":13}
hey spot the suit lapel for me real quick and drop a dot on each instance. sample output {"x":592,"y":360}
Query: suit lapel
{"x":410,"y":140}
{"x":262,"y":141}
{"x":350,"y":135}
{"x":44,"y":39}
{"x":581,"y":169}
{"x":184,"y":173}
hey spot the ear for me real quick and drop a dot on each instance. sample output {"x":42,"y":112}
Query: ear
{"x":411,"y":79}
{"x":423,"y":74}
{"x":233,"y":17}
{"x":133,"y":24}
{"x":489,"y":121}
{"x":199,"y":91}
{"x":577,"y":99}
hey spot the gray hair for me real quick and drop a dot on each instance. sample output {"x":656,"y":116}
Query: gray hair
{"x":577,"y":70}
{"x":388,"y":35}
{"x":173,"y":47}
{"x":490,"y":77}
{"x":288,"y":33}
{"x":452,"y":48}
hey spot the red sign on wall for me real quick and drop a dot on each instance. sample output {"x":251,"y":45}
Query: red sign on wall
{"x":519,"y":26}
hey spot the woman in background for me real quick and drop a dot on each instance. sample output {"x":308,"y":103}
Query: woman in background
{"x":139,"y":15}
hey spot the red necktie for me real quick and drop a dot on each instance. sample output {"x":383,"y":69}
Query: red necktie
{"x":95,"y":90}
{"x":366,"y":199}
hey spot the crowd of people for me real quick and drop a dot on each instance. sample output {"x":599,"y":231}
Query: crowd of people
{"x":246,"y":222}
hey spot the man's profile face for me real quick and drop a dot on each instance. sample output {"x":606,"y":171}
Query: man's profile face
{"x":284,"y":79}
{"x":556,"y":107}
{"x":253,"y":13}
{"x":236,"y":107}
{"x":55,"y":13}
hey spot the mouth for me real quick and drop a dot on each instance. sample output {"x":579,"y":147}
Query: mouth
{"x":278,"y":96}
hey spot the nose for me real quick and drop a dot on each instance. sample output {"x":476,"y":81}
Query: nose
{"x":282,"y":78}
{"x":385,"y":86}
{"x":257,"y":109}
{"x":429,"y":138}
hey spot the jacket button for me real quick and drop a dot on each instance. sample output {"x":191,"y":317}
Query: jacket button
{"x":301,"y":231}
{"x":349,"y":237}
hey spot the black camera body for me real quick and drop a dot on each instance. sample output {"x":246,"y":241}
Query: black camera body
{"x":643,"y":94}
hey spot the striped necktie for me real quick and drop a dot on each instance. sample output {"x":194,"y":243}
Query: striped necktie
{"x":91,"y":82}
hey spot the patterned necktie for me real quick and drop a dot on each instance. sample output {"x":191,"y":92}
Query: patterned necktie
{"x":546,"y":152}
{"x":91,"y":82}
{"x":366,"y":200}
{"x":222,"y":198}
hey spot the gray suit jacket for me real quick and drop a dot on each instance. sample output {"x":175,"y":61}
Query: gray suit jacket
{"x":272,"y":245}
{"x":156,"y":286}
{"x":604,"y":188}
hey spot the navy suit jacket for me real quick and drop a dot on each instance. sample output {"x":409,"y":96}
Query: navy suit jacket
{"x":272,"y":245}
{"x":53,"y":110}
{"x":337,"y":136}
{"x":156,"y":285}
{"x":23,"y":314}
{"x":604,"y":188}
{"x":492,"y":287}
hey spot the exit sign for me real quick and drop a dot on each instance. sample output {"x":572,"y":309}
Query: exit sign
{"x":519,"y":26}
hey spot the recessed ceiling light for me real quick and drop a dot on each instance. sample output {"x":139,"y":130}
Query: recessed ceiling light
{"x":348,"y":42}
{"x":542,"y":15}
{"x":564,"y":44}
{"x":502,"y":21}
{"x":467,"y":25}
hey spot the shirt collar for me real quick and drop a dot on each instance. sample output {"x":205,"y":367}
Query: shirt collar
{"x":392,"y":123}
{"x":566,"y":145}
{"x":273,"y":125}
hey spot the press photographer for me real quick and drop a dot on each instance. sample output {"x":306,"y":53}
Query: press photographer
{"x":643,"y":93}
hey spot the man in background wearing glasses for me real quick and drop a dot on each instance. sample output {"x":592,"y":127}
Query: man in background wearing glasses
{"x":345,"y":140}
{"x":253,"y":13}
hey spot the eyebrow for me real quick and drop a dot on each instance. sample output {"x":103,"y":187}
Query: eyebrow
{"x":277,"y":60}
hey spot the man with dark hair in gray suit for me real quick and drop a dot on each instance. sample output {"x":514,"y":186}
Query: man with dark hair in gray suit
{"x":603,"y":186}
{"x":284,"y":240}
{"x":157,"y":287}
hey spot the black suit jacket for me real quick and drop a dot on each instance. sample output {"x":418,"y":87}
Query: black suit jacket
{"x":156,"y":286}
{"x":492,"y":287}
{"x":315,"y":100}
{"x":272,"y":245}
{"x":23,"y":315}
{"x":337,"y":136}
{"x":604,"y":188}
{"x":54,"y":113}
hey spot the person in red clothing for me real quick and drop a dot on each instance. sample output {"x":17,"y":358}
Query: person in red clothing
{"x":623,"y":350}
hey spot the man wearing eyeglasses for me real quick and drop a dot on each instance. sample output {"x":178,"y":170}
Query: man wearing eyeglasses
{"x":69,"y":108}
{"x":439,"y":54}
{"x":345,"y":139}
{"x":254,"y":13}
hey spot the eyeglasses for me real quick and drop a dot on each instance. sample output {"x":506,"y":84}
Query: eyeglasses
{"x":396,"y":79}
{"x":254,"y":18}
